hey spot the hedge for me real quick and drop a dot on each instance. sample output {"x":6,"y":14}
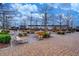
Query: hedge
{"x":5,"y":38}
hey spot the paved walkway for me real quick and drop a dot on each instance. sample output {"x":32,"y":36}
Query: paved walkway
{"x":56,"y":45}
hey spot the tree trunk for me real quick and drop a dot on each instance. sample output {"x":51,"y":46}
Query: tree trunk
{"x":45,"y":22}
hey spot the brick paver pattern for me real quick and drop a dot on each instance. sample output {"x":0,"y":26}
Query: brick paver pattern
{"x":57,"y":45}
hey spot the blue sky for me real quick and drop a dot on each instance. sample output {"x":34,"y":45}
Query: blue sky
{"x":37,"y":9}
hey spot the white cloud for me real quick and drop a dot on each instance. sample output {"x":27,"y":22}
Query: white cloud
{"x":16,"y":6}
{"x":36,"y":15}
{"x":66,"y":6}
{"x":75,"y":6}
{"x":25,"y":9}
{"x":24,"y":17}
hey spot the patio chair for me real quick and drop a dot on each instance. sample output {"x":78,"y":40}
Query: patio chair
{"x":18,"y":40}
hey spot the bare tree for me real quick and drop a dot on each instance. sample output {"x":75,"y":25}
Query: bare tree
{"x":60,"y":20}
{"x":7,"y":22}
{"x":31,"y":19}
{"x":68,"y":19}
{"x":45,"y":10}
{"x":24,"y":22}
{"x":5,"y":19}
{"x":53,"y":20}
{"x":36,"y":23}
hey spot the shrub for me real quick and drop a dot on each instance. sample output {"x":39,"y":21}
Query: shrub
{"x":28,"y":31}
{"x":32,"y":32}
{"x":46,"y":35}
{"x":68,"y":31}
{"x":73,"y":30}
{"x":25,"y":34}
{"x":54,"y":30}
{"x":43,"y":34}
{"x":22,"y":34}
{"x":5,"y":38}
{"x":61,"y":32}
{"x":40,"y":33}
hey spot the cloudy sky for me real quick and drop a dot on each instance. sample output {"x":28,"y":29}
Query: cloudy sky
{"x":24,"y":10}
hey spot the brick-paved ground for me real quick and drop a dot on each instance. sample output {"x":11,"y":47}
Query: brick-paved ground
{"x":67,"y":45}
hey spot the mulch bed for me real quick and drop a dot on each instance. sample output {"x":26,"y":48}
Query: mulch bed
{"x":3,"y":45}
